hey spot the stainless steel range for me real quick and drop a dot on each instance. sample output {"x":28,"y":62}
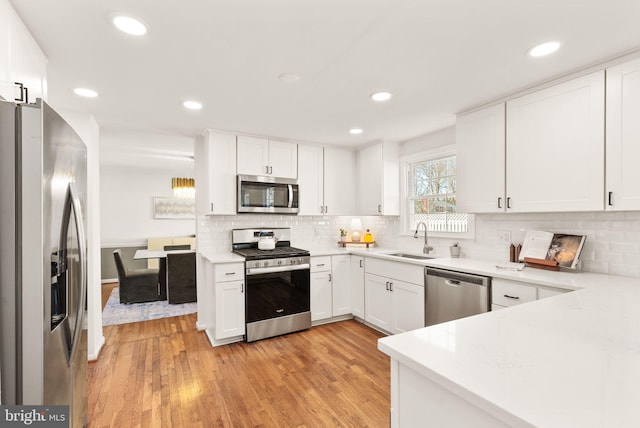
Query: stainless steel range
{"x":277,"y":295}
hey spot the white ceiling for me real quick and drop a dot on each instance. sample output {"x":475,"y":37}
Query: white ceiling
{"x":438,"y":57}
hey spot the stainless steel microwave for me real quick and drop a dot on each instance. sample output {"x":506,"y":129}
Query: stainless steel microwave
{"x":260,"y":194}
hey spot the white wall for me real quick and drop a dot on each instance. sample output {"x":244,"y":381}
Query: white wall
{"x":135,"y":167}
{"x":126,"y":195}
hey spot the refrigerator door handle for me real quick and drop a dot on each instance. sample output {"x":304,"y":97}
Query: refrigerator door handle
{"x":73,"y":203}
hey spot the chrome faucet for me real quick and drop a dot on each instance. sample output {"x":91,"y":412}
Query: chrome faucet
{"x":426,"y":247}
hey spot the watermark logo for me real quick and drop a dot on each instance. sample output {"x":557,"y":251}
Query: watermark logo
{"x":34,"y":416}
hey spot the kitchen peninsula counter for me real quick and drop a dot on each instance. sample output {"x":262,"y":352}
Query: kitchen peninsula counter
{"x":566,"y":361}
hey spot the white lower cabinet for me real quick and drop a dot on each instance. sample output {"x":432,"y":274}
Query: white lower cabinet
{"x":340,"y":281}
{"x":229,"y":301}
{"x":321,"y":288}
{"x":378,"y":308}
{"x":394,"y":304}
{"x":330,"y":288}
{"x":506,"y":293}
{"x":357,"y":286}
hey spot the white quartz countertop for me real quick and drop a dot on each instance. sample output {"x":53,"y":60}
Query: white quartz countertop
{"x":567,"y":361}
{"x":221,"y":257}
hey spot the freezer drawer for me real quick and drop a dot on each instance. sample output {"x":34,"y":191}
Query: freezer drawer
{"x":452,"y":295}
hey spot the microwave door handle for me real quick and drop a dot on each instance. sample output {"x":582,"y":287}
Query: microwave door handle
{"x":290,"y":195}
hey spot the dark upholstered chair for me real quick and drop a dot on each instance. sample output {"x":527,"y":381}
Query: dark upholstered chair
{"x":177,"y":247}
{"x":181,"y":277}
{"x":136,"y":286}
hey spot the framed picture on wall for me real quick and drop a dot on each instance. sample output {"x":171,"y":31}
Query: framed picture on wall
{"x":173,"y":208}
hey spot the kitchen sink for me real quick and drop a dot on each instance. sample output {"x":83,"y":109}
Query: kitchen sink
{"x":412,"y":256}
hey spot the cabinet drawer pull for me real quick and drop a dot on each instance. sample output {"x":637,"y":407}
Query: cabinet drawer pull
{"x":512,"y":297}
{"x":320,"y":264}
{"x":229,"y":273}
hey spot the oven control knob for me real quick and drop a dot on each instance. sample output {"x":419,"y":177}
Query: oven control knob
{"x":266,"y":264}
{"x":294,"y":261}
{"x":279,"y":262}
{"x":300,"y":260}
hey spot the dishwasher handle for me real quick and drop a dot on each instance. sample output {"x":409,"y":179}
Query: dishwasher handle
{"x":452,"y":282}
{"x":452,"y":276}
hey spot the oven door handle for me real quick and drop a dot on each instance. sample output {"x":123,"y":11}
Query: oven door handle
{"x":258,"y":271}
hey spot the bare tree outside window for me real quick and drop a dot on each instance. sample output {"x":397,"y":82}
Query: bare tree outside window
{"x":433,"y":196}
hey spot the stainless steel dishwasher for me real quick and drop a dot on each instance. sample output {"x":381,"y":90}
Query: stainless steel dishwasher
{"x":452,"y":295}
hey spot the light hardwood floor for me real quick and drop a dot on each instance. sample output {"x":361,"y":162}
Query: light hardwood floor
{"x":164,"y":373}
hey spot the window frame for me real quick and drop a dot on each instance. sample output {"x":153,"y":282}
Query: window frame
{"x":405,"y":186}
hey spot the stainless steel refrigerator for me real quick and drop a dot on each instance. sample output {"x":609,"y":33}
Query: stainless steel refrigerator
{"x":43,"y":262}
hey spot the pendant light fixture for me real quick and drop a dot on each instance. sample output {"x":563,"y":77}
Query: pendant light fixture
{"x":183,"y":187}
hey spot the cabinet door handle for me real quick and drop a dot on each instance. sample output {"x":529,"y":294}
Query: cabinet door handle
{"x":380,"y":208}
{"x":266,"y":169}
{"x":512,"y":297}
{"x":508,"y":202}
{"x":211,"y":206}
{"x":499,"y":202}
{"x":326,"y":209}
{"x":321,"y":209}
{"x":242,"y":287}
{"x":329,"y":277}
{"x":391,"y":286}
{"x":361,"y":261}
{"x":386,"y":285}
{"x":270,"y":170}
{"x":610,"y":198}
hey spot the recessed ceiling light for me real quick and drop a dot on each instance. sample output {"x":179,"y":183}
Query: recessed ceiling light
{"x":544,"y":49}
{"x":355,"y":131}
{"x":85,"y":92}
{"x":129,"y":25}
{"x":381,"y":96}
{"x":192,"y":105}
{"x":289,"y":78}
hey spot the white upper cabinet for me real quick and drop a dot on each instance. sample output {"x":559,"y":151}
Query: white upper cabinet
{"x":327,"y":180}
{"x":311,"y":180}
{"x":339,"y":181}
{"x":480,"y":157}
{"x":623,"y":137}
{"x":259,"y":156}
{"x":555,"y":148}
{"x":21,"y":59}
{"x":215,"y":169}
{"x":379,"y":180}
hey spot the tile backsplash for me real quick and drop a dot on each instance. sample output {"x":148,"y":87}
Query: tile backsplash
{"x":315,"y":232}
{"x":612,"y":245}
